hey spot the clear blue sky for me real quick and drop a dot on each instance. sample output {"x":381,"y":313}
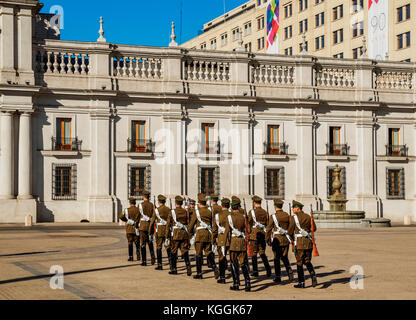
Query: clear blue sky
{"x":142,"y":22}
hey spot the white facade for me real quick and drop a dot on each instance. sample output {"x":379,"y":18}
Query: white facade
{"x":175,"y":92}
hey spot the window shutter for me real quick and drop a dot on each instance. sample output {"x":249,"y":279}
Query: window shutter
{"x":388,"y":183}
{"x":74,"y":181}
{"x":402,"y":184}
{"x":149,"y":178}
{"x":199,"y":178}
{"x":265,"y":183}
{"x":217,"y":181}
{"x":282,"y":183}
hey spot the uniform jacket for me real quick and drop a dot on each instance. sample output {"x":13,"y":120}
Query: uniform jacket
{"x":261,"y":217}
{"x":305,"y":224}
{"x":148,"y":210}
{"x":237,"y":244}
{"x":202,"y":235}
{"x":181,"y":217}
{"x":216,"y":209}
{"x":220,"y":237}
{"x":163,"y":213}
{"x":283,"y":219}
{"x":134,"y":214}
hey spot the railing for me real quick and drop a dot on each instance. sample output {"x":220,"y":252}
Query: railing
{"x":66,"y":144}
{"x":62,"y":63}
{"x":337,"y":149}
{"x":140,"y":146}
{"x":275,"y":148}
{"x":210,"y":148}
{"x":393,"y":80}
{"x":271,"y":74}
{"x":200,"y":70}
{"x":396,"y":150}
{"x":334,"y":77}
{"x":137,"y":66}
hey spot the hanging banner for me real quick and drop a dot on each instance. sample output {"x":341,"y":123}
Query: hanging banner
{"x":378,"y":29}
{"x":273,"y":27}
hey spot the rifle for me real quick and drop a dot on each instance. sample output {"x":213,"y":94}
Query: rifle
{"x":290,"y":212}
{"x":315,"y":248}
{"x":249,"y":251}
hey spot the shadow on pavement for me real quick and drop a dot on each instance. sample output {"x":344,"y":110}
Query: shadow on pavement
{"x":26,"y":253}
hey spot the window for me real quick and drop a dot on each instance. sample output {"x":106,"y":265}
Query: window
{"x":288,"y":10}
{"x":403,"y":13}
{"x":358,"y":29}
{"x":260,"y":23}
{"x":64,"y":182}
{"x":203,"y":46}
{"x":320,"y":42}
{"x":330,"y":181}
{"x":288,"y":32}
{"x":289,"y":51}
{"x":138,"y":136}
{"x":394,"y":141}
{"x":339,"y":55}
{"x":274,"y":182}
{"x":247,"y":47}
{"x":236,"y":34}
{"x":403,"y":40}
{"x":139,"y":180}
{"x":335,"y":147}
{"x":63,"y":134}
{"x":303,"y":26}
{"x":338,"y":12}
{"x":357,"y":5}
{"x":395,"y":183}
{"x":338,"y":36}
{"x":247,"y":29}
{"x":224,"y":39}
{"x":357,"y":52}
{"x":209,"y":180}
{"x":319,"y":19}
{"x":208,"y":145}
{"x":273,"y":139}
{"x":303,"y":5}
{"x":260,"y":43}
{"x":213,"y":44}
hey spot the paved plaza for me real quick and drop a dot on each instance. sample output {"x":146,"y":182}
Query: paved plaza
{"x":94,"y":260}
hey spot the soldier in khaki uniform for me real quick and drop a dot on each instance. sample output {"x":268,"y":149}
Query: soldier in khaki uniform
{"x":147,"y":210}
{"x":235,"y":232}
{"x":131,"y":216}
{"x":278,"y":238}
{"x":159,"y":218}
{"x":257,"y":223}
{"x":300,"y":228}
{"x":177,"y":230}
{"x":215,"y":208}
{"x":219,"y":239}
{"x":202,"y":220}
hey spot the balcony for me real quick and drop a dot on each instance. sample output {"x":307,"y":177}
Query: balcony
{"x":66,"y":144}
{"x":275,"y":148}
{"x":337,"y":150}
{"x":212,"y":147}
{"x":140,"y":146}
{"x":396,"y":151}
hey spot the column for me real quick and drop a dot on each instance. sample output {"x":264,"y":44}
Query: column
{"x":6,"y":156}
{"x":25,"y":157}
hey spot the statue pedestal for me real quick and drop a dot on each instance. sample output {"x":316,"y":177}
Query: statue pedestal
{"x":338,"y":204}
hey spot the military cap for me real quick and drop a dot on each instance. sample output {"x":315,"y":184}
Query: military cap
{"x":235,"y":201}
{"x":297,"y":204}
{"x":257,"y":199}
{"x":225,"y":201}
{"x":179,"y":199}
{"x":278,"y":203}
{"x":145,"y":193}
{"x":132,"y":200}
{"x":214,"y":197}
{"x":161,"y":198}
{"x":202,"y":199}
{"x":192,"y":201}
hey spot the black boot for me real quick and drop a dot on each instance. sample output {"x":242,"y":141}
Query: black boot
{"x":138,"y":250}
{"x":288,"y":269}
{"x":211,"y":260}
{"x":246,"y":277}
{"x":277,"y":271}
{"x":266,"y":265}
{"x":301,"y":278}
{"x":222,"y":267}
{"x":152,"y":253}
{"x":174,"y":259}
{"x":255,"y":266}
{"x":144,"y":262}
{"x":188,"y":264}
{"x":130,"y":252}
{"x":159,"y":259}
{"x":311,"y":270}
{"x":198,"y":267}
{"x":236,"y":280}
{"x":169,"y":252}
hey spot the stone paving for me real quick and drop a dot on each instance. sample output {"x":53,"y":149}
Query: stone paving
{"x":94,"y":260}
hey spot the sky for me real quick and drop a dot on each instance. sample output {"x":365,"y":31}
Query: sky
{"x":136,"y":22}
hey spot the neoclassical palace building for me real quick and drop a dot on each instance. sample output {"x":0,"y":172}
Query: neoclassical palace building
{"x":86,"y":125}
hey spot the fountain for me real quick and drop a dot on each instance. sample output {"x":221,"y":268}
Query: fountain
{"x":338,"y":216}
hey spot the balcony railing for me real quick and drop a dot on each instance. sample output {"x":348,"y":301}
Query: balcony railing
{"x":210,"y":148}
{"x":66,"y":144}
{"x":275,"y":148}
{"x":140,"y":146}
{"x":396,"y":150}
{"x":337,"y":149}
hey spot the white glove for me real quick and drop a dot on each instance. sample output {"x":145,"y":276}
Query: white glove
{"x":167,"y":243}
{"x":131,"y":222}
{"x":150,"y":238}
{"x":137,"y":232}
{"x":214,"y":248}
{"x":192,"y":242}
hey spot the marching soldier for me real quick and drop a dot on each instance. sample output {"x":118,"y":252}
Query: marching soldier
{"x":131,"y":216}
{"x":219,"y":239}
{"x":235,"y":231}
{"x":159,"y":218}
{"x":278,"y":238}
{"x":300,"y":228}
{"x":147,"y":210}
{"x":257,"y":223}
{"x":177,"y":225}
{"x":191,"y":212}
{"x":203,"y":237}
